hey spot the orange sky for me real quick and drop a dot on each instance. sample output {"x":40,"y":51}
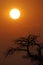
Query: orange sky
{"x":31,"y":21}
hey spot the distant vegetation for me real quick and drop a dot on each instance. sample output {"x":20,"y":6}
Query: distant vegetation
{"x":27,"y":44}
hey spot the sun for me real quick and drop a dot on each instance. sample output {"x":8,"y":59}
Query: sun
{"x":14,"y":13}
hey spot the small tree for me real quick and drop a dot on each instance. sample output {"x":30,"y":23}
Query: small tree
{"x":24,"y":44}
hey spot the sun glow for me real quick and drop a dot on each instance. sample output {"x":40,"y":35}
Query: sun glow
{"x":14,"y":13}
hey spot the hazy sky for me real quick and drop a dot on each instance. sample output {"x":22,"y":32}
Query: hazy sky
{"x":30,"y":21}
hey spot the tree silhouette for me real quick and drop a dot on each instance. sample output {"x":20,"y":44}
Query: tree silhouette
{"x":24,"y":44}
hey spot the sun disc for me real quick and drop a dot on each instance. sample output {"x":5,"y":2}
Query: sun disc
{"x":14,"y":13}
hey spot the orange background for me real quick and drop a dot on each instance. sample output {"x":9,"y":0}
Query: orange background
{"x":30,"y":21}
